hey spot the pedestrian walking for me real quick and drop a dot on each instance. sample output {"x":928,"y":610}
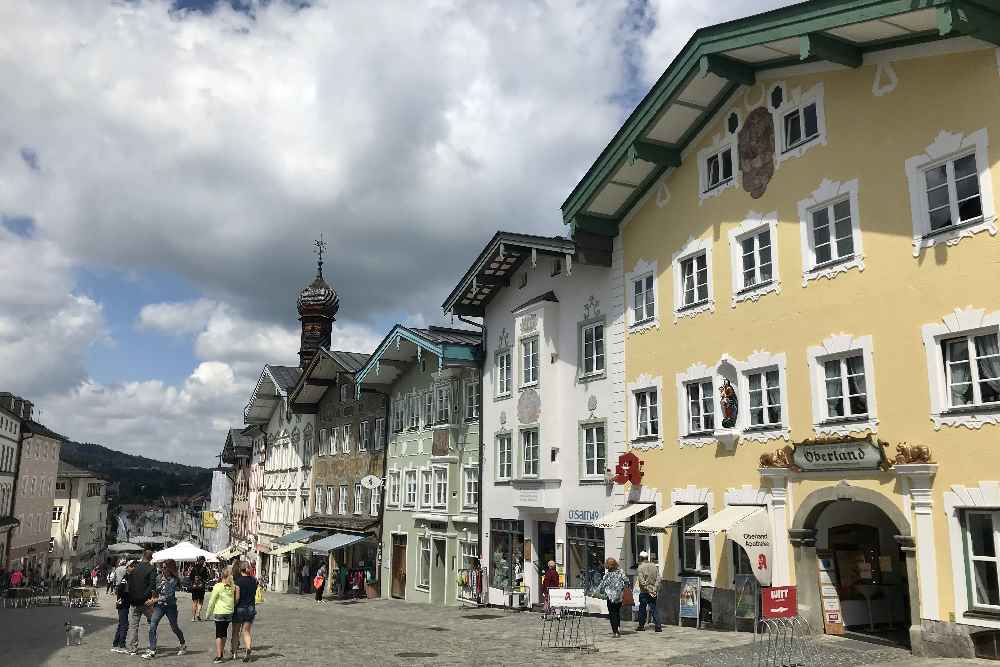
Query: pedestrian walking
{"x":319,"y":582}
{"x":16,"y":579}
{"x":549,"y":580}
{"x":141,"y":586}
{"x":648,"y":578}
{"x":122,"y":605}
{"x":164,"y":603}
{"x":304,"y":575}
{"x":611,"y":588}
{"x":221,"y":604}
{"x":110,"y":581}
{"x":246,"y":610}
{"x":199,"y":579}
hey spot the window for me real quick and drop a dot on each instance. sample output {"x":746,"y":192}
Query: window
{"x":594,"y":450}
{"x":472,"y":400}
{"x":374,"y":498}
{"x":57,"y":513}
{"x":397,"y":416}
{"x":413,"y":410}
{"x":972,"y":370}
{"x":471,"y":487}
{"x":426,"y":488}
{"x":93,"y":489}
{"x":358,"y":498}
{"x":644,"y":540}
{"x":410,"y":484}
{"x":832,"y":233}
{"x":953,"y":196}
{"x":394,"y":491}
{"x":443,"y":392}
{"x":428,"y":400}
{"x":319,"y":503}
{"x":701,"y":406}
{"x":647,"y":423}
{"x":697,"y":553}
{"x":345,"y":392}
{"x":719,"y":168}
{"x":364,"y":439}
{"x":593,"y":348}
{"x":379,"y":432}
{"x":644,"y":300}
{"x":846,"y":390}
{"x":983,"y":564}
{"x":506,"y":553}
{"x":504,"y":376}
{"x":529,"y":361}
{"x":584,"y":557}
{"x":694,"y":280}
{"x":423,"y":562}
{"x":469,"y":552}
{"x":440,"y":487}
{"x":345,"y":438}
{"x":800,"y":126}
{"x":765,"y":398}
{"x":756,"y":258}
{"x":343,"y":499}
{"x":530,"y":453}
{"x":504,"y":456}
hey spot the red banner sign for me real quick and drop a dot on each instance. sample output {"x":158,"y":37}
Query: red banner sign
{"x":778,"y":602}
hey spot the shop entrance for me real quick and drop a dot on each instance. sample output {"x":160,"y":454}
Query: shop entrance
{"x":438,"y":578}
{"x":398,"y":566}
{"x":854,"y":564}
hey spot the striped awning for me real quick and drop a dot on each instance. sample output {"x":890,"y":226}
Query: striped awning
{"x":725,"y":519}
{"x":612,"y":519}
{"x":668,"y":517}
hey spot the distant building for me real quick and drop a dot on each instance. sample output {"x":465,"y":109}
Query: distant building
{"x":34,"y":491}
{"x":79,"y":521}
{"x":11,"y":415}
{"x":167,"y":522}
{"x":237,"y":453}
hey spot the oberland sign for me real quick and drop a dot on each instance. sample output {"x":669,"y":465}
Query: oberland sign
{"x":850,"y":455}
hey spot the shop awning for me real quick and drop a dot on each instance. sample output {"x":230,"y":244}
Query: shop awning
{"x":668,"y":517}
{"x":725,"y":519}
{"x":611,"y":519}
{"x":231,"y":552}
{"x":294,"y":546}
{"x":335,"y":541}
{"x":299,"y":535}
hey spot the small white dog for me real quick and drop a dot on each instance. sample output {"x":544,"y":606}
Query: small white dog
{"x":74,"y":634}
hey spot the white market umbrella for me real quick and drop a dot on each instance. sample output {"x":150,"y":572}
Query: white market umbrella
{"x":184,"y":552}
{"x":124,"y":548}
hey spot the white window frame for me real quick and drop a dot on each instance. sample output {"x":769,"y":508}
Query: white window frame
{"x":701,"y":384}
{"x":698,"y":538}
{"x":440,"y":490}
{"x":427,"y":409}
{"x":507,"y":438}
{"x":598,"y":369}
{"x":970,"y":558}
{"x":345,"y":438}
{"x":753,"y":226}
{"x":426,"y":488}
{"x":721,"y":141}
{"x":319,"y":501}
{"x":585,"y":459}
{"x":442,"y":402}
{"x":331,"y":492}
{"x":644,"y":403}
{"x":358,"y":498}
{"x":796,"y":99}
{"x":762,"y":362}
{"x":342,"y":506}
{"x":524,"y":356}
{"x":410,"y":491}
{"x":967,"y":321}
{"x":522,"y":453}
{"x":413,"y":411}
{"x":373,"y":500}
{"x":641,"y":271}
{"x":395,"y":488}
{"x":323,"y":441}
{"x":718,"y":155}
{"x":983,"y":496}
{"x":690,"y":250}
{"x":826,"y":196}
{"x":379,"y":433}
{"x":470,"y":487}
{"x":364,"y":433}
{"x":504,"y":372}
{"x":644,"y":383}
{"x":424,"y":577}
{"x":836,"y":347}
{"x":473,"y":400}
{"x":949,"y":146}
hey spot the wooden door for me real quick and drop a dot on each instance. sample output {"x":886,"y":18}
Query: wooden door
{"x":399,"y":566}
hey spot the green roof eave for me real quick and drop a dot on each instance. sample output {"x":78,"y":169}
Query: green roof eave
{"x":793,"y":21}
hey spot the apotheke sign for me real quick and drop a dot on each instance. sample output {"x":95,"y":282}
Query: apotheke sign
{"x":852,"y":455}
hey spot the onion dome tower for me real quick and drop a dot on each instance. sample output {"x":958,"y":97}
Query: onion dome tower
{"x":317,"y":304}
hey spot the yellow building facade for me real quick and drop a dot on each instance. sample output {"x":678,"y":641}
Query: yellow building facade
{"x":806,"y":211}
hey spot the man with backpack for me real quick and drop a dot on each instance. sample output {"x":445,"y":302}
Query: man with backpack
{"x":141,"y":586}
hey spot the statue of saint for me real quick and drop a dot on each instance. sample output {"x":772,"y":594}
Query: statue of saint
{"x":729,"y":403}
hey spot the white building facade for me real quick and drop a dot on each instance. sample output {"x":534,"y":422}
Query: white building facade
{"x":79,"y":521}
{"x":553,"y":412}
{"x":220,"y":504}
{"x":10,"y":446}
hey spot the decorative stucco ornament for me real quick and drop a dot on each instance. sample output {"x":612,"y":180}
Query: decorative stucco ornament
{"x":592,"y":308}
{"x":912,"y":454}
{"x":529,"y":323}
{"x":529,"y":407}
{"x":592,"y":403}
{"x":503,"y":418}
{"x":756,"y":151}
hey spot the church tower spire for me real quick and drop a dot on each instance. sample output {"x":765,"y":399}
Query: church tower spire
{"x":317,"y":304}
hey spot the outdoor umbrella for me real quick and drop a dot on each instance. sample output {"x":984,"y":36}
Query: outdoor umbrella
{"x":184,"y":552}
{"x":124,"y":548}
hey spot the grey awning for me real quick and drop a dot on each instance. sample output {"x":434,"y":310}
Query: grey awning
{"x":335,"y":541}
{"x":300,"y":535}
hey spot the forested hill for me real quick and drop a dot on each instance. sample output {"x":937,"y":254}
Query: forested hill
{"x":139,"y":478}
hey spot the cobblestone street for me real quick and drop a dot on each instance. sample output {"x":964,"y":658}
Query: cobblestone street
{"x":292,"y":628}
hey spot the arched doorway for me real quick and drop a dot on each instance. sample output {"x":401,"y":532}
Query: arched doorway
{"x":855,"y":542}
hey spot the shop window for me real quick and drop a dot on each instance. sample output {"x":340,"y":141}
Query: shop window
{"x":469,"y":551}
{"x":529,"y":361}
{"x":696,"y":555}
{"x":504,"y":456}
{"x":506,"y":554}
{"x":592,"y":338}
{"x":503,"y":373}
{"x":741,"y":562}
{"x":982,"y":537}
{"x":594,"y":455}
{"x":530,"y":453}
{"x":585,"y":557}
{"x":643,"y":540}
{"x":423,"y":562}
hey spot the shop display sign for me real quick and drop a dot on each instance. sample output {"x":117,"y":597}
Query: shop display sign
{"x":779,"y":602}
{"x":833,"y":621}
{"x":746,"y":597}
{"x":690,"y":600}
{"x":567,"y":598}
{"x":753,"y":534}
{"x":847,"y":455}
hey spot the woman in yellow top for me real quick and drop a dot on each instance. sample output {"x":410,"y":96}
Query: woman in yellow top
{"x":221,"y":603}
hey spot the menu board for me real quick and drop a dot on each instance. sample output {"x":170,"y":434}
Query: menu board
{"x":833,"y":618}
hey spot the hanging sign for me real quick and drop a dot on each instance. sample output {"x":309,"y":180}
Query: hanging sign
{"x":629,"y":469}
{"x":847,"y":455}
{"x":753,"y":534}
{"x":567,"y":598}
{"x":690,"y":599}
{"x":208,"y":520}
{"x":779,"y":602}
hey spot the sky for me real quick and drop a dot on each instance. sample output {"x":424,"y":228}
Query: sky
{"x":166,"y":166}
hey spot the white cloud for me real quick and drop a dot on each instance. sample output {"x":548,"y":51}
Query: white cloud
{"x":177,"y":318}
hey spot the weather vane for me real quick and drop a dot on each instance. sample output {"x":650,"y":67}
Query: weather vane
{"x":320,"y":247}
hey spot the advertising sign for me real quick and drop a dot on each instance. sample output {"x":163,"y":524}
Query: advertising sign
{"x":746,"y":597}
{"x":779,"y":602}
{"x":753,"y":534}
{"x":208,"y":520}
{"x":567,"y":598}
{"x":690,"y":600}
{"x":849,"y":455}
